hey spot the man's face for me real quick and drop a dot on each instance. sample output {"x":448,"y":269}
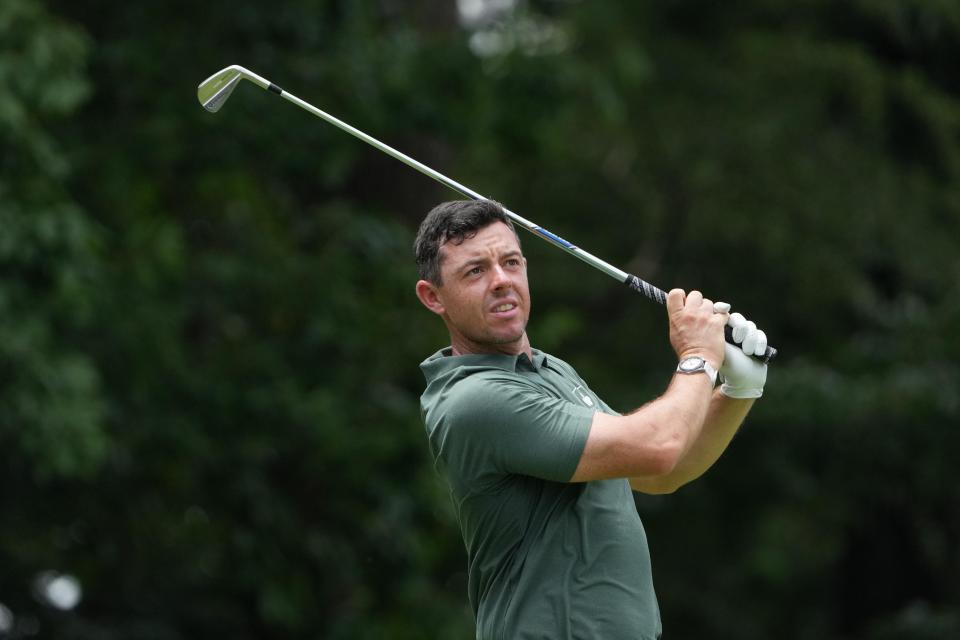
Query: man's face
{"x":484,"y":299}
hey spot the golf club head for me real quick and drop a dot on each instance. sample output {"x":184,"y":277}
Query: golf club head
{"x":215,"y":90}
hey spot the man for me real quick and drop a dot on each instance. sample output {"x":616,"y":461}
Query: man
{"x":540,"y":469}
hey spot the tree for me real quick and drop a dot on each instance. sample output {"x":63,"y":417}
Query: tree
{"x":210,"y":340}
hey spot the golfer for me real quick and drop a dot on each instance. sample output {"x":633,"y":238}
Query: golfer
{"x":540,"y":469}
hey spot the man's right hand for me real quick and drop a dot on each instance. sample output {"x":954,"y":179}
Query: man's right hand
{"x":696,"y":328}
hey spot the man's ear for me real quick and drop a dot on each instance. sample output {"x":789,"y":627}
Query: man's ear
{"x":429,"y":296}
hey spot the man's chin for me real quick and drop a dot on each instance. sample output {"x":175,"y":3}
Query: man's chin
{"x":506,"y":339}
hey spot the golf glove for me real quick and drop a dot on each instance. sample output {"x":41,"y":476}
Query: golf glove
{"x":742,"y":375}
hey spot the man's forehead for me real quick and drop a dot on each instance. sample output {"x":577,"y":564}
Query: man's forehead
{"x":496,"y":236}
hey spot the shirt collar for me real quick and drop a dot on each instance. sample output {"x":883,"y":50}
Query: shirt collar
{"x":444,"y":360}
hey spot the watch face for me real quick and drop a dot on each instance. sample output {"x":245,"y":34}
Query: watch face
{"x":692,"y":364}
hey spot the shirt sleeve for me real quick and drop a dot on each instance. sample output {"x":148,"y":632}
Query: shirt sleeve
{"x":496,"y":426}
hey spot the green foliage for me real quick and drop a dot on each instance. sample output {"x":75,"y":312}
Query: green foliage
{"x":209,"y":339}
{"x":50,"y":399}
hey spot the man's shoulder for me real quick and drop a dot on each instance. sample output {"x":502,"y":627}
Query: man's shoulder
{"x":445,"y":368}
{"x":470,"y":386}
{"x":473,"y":383}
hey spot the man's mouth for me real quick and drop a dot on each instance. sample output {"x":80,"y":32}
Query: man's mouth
{"x":505,"y":309}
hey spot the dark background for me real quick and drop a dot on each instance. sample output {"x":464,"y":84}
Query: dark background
{"x":209,"y":338}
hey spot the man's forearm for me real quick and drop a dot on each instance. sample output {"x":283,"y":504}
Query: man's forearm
{"x":723,"y":419}
{"x":651,"y":440}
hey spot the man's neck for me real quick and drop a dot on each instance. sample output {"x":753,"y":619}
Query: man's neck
{"x":459,"y":348}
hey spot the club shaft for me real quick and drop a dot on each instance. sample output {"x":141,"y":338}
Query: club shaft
{"x":589,"y":258}
{"x":637,"y":284}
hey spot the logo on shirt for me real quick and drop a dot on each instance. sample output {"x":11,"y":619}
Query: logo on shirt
{"x":581,"y":392}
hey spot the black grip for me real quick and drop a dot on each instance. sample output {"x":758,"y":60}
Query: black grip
{"x":657,"y":295}
{"x":647,"y":289}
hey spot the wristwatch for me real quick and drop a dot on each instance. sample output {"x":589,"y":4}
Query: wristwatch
{"x":696,"y":364}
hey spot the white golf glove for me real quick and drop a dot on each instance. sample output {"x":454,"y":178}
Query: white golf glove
{"x":742,"y":375}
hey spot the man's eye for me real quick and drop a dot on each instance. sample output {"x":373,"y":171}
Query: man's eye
{"x":474,"y":271}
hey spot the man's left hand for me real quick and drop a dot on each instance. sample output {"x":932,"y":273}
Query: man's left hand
{"x":744,"y":376}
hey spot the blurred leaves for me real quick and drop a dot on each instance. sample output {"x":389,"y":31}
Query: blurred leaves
{"x":50,"y":398}
{"x":208,"y":338}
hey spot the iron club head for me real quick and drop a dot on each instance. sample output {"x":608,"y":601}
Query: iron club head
{"x":215,"y":90}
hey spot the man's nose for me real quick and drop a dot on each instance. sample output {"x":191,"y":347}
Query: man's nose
{"x":500,"y":278}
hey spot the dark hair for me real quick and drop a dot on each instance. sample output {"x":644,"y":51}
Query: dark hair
{"x":453,"y":222}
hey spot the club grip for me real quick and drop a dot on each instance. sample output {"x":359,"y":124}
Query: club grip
{"x":657,"y":295}
{"x":643,"y":287}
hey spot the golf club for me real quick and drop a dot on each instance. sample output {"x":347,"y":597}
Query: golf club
{"x":215,"y":90}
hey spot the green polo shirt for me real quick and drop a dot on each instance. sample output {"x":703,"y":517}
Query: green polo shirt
{"x":547,"y":559}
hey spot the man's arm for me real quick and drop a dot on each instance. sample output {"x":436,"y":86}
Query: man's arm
{"x":743,"y":380}
{"x":652,"y":440}
{"x":677,"y":437}
{"x":724,"y":417}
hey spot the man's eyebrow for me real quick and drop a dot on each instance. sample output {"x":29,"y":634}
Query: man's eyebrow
{"x":484,"y":257}
{"x":467,"y":262}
